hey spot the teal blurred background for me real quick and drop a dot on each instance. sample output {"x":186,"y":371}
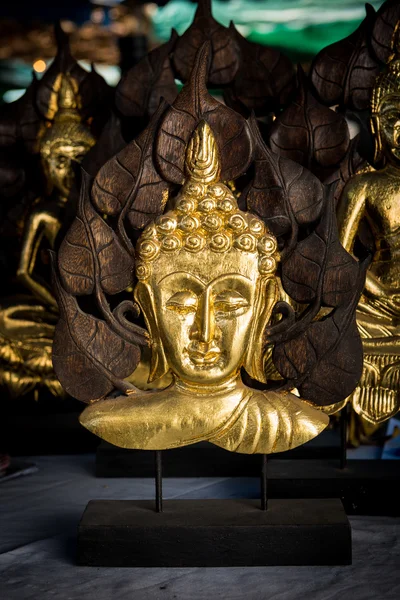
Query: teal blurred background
{"x":299,"y":27}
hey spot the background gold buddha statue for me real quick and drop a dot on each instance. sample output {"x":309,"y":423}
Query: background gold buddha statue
{"x":61,"y":145}
{"x":373,"y":196}
{"x":207,"y":288}
{"x":27,"y":322}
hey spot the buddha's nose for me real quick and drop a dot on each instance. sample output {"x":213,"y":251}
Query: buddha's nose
{"x":203,"y":329}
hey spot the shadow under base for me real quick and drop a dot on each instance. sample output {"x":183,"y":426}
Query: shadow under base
{"x":214,"y":533}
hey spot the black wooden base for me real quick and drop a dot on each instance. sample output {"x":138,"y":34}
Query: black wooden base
{"x":214,"y":533}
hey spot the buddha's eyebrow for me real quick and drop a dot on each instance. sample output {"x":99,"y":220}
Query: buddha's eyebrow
{"x":176,"y":274}
{"x":236,"y":276}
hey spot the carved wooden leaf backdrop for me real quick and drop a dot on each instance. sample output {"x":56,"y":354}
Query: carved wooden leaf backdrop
{"x":131,"y":189}
{"x":308,"y":146}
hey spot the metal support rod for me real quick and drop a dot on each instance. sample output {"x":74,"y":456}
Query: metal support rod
{"x":159,"y":497}
{"x":343,"y":437}
{"x":264,"y":495}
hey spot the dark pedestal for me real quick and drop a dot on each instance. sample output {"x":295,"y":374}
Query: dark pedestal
{"x":214,"y":533}
{"x":366,"y":487}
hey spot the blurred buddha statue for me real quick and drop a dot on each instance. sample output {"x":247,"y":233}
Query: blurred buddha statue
{"x":207,"y":288}
{"x":27,"y":322}
{"x":374,"y":196}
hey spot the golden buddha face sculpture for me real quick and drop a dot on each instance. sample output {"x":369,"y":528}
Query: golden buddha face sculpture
{"x":207,"y":288}
{"x":66,"y":141}
{"x":372,"y":198}
{"x":206,"y":273}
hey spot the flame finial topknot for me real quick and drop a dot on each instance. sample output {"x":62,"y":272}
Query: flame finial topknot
{"x":202,"y":160}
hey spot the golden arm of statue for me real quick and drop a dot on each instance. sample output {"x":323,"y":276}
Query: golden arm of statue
{"x":40,"y":225}
{"x":352,"y":208}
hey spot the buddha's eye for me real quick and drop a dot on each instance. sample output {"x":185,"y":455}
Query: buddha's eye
{"x":183,"y":303}
{"x":230,"y":303}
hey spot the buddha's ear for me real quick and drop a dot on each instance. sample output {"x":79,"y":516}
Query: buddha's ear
{"x":266,"y":297}
{"x":145,"y":298}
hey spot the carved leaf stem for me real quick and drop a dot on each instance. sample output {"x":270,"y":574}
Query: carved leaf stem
{"x":88,"y":348}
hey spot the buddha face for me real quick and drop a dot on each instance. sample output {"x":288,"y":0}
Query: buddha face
{"x":206,"y":277}
{"x":389,"y":117}
{"x":58,"y":166}
{"x":205,"y":306}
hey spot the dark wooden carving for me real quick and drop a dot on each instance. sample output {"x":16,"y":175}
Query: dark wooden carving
{"x":194,"y":104}
{"x":140,"y":90}
{"x":265,"y":80}
{"x":387,"y":17}
{"x":129,"y":186}
{"x":225,"y":51}
{"x":310,"y":133}
{"x":349,"y":166}
{"x":253,"y":77}
{"x":283,"y":193}
{"x":344,"y":73}
{"x":321,"y":357}
{"x":98,"y":356}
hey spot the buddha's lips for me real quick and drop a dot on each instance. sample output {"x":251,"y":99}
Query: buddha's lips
{"x":204,"y":358}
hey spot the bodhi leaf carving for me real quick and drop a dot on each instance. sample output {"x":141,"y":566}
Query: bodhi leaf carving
{"x":20,"y":122}
{"x":224,"y":48}
{"x":345,"y":72}
{"x":310,"y":133}
{"x":319,"y":268}
{"x":322,"y":358}
{"x":386,"y":19}
{"x":193,"y":105}
{"x":110,"y":142}
{"x":282,"y":193}
{"x":265,"y":79}
{"x":129,"y":181}
{"x":87,"y":347}
{"x":141,"y":88}
{"x":325,"y":361}
{"x":350,"y":165}
{"x":91,"y":240}
{"x":12,"y":176}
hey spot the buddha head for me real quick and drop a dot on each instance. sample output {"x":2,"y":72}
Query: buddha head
{"x":206,"y":274}
{"x":66,"y":141}
{"x":385,"y":105}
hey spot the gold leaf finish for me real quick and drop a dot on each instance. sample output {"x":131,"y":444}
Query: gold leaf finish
{"x":27,"y":325}
{"x":207,"y":287}
{"x":372,"y":198}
